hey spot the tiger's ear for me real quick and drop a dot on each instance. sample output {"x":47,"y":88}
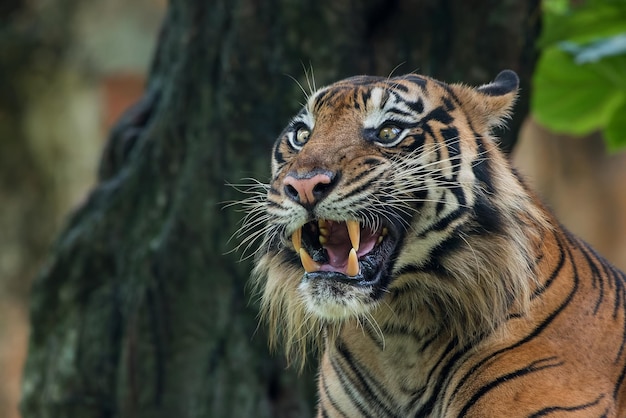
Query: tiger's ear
{"x":491,"y":103}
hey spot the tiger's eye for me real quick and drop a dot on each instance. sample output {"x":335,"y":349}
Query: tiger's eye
{"x":388,"y":133}
{"x":302,"y":136}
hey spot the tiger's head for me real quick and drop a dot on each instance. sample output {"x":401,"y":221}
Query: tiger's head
{"x":386,"y":186}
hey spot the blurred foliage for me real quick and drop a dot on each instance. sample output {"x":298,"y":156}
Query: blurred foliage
{"x":580,"y":82}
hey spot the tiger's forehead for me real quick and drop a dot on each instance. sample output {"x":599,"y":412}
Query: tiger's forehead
{"x":371,"y":97}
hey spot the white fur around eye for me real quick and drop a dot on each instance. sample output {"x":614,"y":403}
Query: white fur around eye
{"x":301,"y":128}
{"x":299,"y":136}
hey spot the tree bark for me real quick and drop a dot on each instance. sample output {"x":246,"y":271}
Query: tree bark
{"x":140,"y":310}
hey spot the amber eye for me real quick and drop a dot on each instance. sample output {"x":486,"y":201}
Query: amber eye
{"x":302,"y":135}
{"x":388,"y":133}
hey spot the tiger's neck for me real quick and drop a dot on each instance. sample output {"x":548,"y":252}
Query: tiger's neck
{"x":399,"y":348}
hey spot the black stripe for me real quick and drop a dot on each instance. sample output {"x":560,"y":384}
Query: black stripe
{"x":361,"y":80}
{"x":355,"y":191}
{"x":273,"y":191}
{"x":538,"y":330}
{"x":444,"y":222}
{"x":375,"y":335}
{"x":416,"y":106}
{"x":355,"y":99}
{"x":325,"y":97}
{"x":418,"y":141}
{"x":272,"y":204}
{"x":384,"y":98}
{"x":482,"y":166}
{"x":430,"y":267}
{"x":443,"y":376}
{"x":453,"y":142}
{"x":438,"y":114}
{"x":399,"y":112}
{"x":433,"y":264}
{"x":620,"y":382}
{"x":334,"y":404}
{"x":363,"y":378}
{"x":396,"y":86}
{"x":365,"y":96}
{"x":488,"y":218}
{"x":413,"y":78}
{"x":278,"y":155}
{"x":546,"y":411}
{"x":622,"y":344}
{"x":453,"y":145}
{"x":439,"y":253}
{"x":459,"y":193}
{"x":619,"y":294}
{"x":346,"y":384}
{"x":398,"y":329}
{"x":372,"y":162}
{"x":531,"y":368}
{"x":419,"y":197}
{"x":449,"y":90}
{"x":557,"y":270}
{"x":449,"y":106}
{"x":597,"y":277}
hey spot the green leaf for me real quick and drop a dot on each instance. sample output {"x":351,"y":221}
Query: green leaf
{"x":615,"y":131}
{"x":585,"y":23}
{"x":555,"y":7}
{"x":571,"y":98}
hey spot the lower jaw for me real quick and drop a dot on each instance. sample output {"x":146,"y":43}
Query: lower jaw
{"x":331,"y":276}
{"x":335,"y":297}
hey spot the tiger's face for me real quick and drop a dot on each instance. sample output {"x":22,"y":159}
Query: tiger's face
{"x":368,"y":180}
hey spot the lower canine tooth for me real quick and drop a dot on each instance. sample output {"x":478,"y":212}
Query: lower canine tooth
{"x":353,"y":263}
{"x":307,"y":262}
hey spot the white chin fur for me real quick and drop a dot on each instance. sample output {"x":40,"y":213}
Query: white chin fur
{"x":333,"y":301}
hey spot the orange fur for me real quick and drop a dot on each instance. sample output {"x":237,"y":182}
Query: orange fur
{"x":488,"y":308}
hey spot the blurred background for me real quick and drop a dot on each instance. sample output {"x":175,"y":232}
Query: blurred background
{"x":69,"y":68}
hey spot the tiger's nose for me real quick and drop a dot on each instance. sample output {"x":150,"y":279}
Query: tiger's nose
{"x":308,"y":189}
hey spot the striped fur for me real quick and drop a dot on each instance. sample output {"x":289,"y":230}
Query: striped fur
{"x":482,"y":305}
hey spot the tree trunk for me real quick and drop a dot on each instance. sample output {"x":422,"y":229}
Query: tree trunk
{"x":140,"y":310}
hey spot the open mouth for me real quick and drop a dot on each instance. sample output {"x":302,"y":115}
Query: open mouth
{"x":343,"y":250}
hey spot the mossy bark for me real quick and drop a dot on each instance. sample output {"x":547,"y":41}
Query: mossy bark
{"x":140,"y":310}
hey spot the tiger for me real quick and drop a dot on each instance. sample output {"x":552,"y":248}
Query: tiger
{"x":398,"y":241}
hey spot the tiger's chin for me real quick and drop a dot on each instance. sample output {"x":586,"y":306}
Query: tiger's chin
{"x":333,"y":297}
{"x":349,"y":269}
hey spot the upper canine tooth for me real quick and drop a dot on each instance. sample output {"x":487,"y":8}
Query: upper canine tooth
{"x":354,"y":231}
{"x":322,"y":223}
{"x":296,"y":239}
{"x":307,"y":262}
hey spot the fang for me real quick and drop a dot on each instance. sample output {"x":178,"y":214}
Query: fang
{"x":354,"y":231}
{"x":353,"y":264}
{"x":307,"y":262}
